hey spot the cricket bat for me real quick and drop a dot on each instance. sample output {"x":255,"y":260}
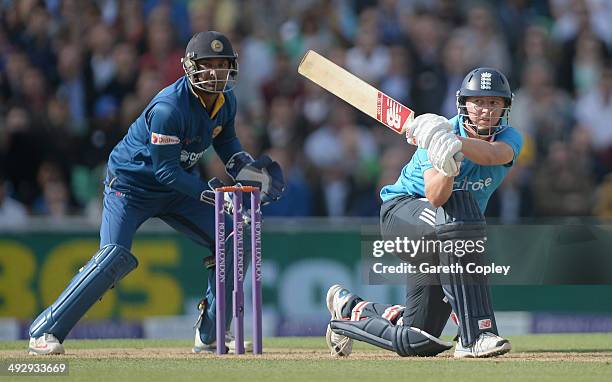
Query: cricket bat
{"x":355,"y":91}
{"x":358,"y":93}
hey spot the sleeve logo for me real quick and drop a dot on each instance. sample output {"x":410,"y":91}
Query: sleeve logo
{"x":161,"y":139}
{"x":217,"y":131}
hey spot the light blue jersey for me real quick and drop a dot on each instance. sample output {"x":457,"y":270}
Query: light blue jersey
{"x":481,"y":181}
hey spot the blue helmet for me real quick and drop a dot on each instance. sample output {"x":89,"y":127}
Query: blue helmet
{"x":210,"y":44}
{"x":485,"y":82}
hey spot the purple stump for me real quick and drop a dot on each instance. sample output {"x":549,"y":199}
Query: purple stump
{"x":257,"y":275}
{"x":220,"y":271}
{"x":238,"y":298}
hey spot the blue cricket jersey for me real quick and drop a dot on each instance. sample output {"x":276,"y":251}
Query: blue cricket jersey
{"x":481,"y":181}
{"x":160,"y":150}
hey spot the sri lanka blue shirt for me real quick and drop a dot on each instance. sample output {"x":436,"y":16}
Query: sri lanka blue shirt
{"x":161,"y":148}
{"x":480,"y":180}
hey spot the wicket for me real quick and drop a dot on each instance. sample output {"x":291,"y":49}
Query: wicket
{"x":220,"y":279}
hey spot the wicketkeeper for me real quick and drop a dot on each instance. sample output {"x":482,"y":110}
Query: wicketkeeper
{"x":152,"y":172}
{"x":438,"y":196}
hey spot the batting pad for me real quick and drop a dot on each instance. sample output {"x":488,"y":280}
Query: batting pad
{"x":468,"y":293}
{"x":109,"y":265}
{"x":405,"y":341}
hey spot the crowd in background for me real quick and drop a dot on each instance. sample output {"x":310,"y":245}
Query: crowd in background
{"x":75,"y":74}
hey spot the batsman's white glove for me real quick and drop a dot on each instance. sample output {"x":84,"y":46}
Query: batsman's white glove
{"x":441,"y":153}
{"x":422,"y":129}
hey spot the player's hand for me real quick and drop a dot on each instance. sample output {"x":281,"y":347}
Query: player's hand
{"x":263,"y":173}
{"x":441,"y":153}
{"x":208,"y":196}
{"x":422,"y":129}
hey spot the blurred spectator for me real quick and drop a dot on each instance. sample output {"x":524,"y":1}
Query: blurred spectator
{"x":124,"y":78}
{"x":397,"y":82}
{"x":148,"y":84}
{"x":13,"y":215}
{"x":594,"y":111}
{"x":36,"y":41}
{"x":24,"y":153}
{"x":535,"y":46}
{"x":540,"y":110}
{"x":297,"y":198}
{"x":425,"y":36}
{"x":54,"y":200}
{"x":564,"y":183}
{"x":163,"y":55}
{"x":456,"y":65}
{"x":577,"y":21}
{"x":281,"y":128}
{"x":339,"y":151}
{"x":282,"y":82}
{"x":486,"y":44}
{"x":256,"y":66}
{"x":573,"y":17}
{"x":73,"y":85}
{"x":101,"y":62}
{"x":368,"y":59}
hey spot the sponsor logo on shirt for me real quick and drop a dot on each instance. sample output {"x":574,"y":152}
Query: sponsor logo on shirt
{"x":161,"y":139}
{"x":188,"y":159}
{"x":217,"y":130}
{"x":478,"y":185}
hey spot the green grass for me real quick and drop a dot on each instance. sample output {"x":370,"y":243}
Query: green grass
{"x":546,"y":358}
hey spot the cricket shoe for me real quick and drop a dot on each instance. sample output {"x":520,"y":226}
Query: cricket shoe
{"x":486,"y":345}
{"x":337,"y":297}
{"x":230,"y":344}
{"x":45,"y":345}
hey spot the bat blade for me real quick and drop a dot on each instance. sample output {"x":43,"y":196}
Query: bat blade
{"x":355,"y":91}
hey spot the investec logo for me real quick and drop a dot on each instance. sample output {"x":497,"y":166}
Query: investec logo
{"x":478,"y":185}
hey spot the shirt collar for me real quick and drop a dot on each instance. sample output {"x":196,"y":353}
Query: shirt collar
{"x":218,"y":103}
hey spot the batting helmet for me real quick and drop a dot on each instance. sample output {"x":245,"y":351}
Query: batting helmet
{"x":207,"y":45}
{"x":485,"y":82}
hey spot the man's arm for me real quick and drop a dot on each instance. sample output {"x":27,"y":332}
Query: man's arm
{"x":486,"y":153}
{"x":438,"y":188}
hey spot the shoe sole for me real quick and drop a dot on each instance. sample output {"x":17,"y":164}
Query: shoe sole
{"x":500,"y":350}
{"x":45,"y":352}
{"x":331,"y":292}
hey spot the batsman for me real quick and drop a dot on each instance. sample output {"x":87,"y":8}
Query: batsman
{"x":442,"y":195}
{"x":152,"y":172}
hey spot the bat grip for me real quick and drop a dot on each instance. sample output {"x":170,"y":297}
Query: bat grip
{"x":458,"y":157}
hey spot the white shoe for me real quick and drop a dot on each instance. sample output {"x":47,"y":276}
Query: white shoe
{"x":45,"y":344}
{"x":230,"y":344}
{"x":339,"y":345}
{"x":486,"y":345}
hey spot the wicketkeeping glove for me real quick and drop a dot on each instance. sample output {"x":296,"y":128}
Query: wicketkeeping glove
{"x":263,"y":173}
